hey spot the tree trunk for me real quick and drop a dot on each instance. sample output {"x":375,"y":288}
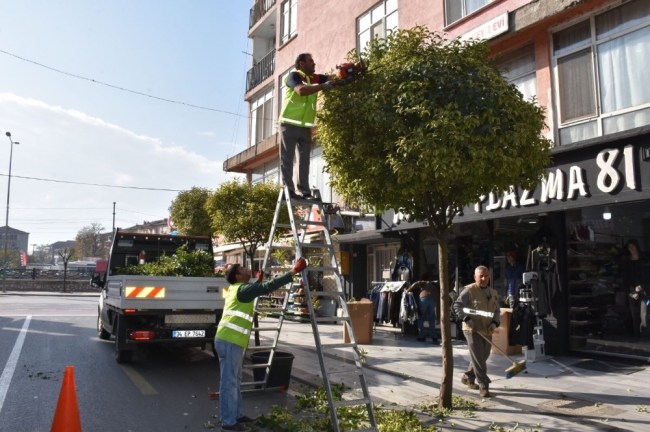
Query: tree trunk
{"x":446,"y":381}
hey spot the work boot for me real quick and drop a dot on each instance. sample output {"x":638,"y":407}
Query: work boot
{"x":469,"y":383}
{"x":240,"y":427}
{"x":485,"y":392}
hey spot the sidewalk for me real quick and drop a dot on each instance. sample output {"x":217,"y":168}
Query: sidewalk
{"x":554,"y":394}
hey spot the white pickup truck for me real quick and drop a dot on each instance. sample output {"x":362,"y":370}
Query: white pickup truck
{"x":138,"y":310}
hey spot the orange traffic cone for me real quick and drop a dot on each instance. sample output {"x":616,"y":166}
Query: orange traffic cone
{"x":66,"y":416}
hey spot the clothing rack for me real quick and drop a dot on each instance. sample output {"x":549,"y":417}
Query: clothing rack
{"x":527,"y":296}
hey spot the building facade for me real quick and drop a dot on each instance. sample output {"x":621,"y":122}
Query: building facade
{"x":586,"y":62}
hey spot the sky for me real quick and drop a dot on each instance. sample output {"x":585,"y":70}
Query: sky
{"x":118,"y":106}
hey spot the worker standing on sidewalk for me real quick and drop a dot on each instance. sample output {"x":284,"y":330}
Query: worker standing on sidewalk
{"x":233,"y":335}
{"x":478,"y":307}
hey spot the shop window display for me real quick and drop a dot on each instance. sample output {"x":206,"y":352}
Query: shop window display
{"x":608,"y":277}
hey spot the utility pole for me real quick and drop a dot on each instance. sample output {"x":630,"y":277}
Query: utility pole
{"x":6,"y":233}
{"x":113,"y":236}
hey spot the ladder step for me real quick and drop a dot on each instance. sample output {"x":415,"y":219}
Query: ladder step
{"x":317,"y":245}
{"x":283,"y":225}
{"x":256,"y":365}
{"x":352,"y":402}
{"x":304,"y":223}
{"x":274,"y":328}
{"x":270,"y":309}
{"x":259,"y":348}
{"x":251,"y":383}
{"x":364,"y":430}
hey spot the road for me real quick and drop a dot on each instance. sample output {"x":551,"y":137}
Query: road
{"x":162,"y":390}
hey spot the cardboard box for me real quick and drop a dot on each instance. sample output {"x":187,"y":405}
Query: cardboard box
{"x":500,"y":335}
{"x":361,"y":321}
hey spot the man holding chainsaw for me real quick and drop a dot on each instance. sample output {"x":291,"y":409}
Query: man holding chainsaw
{"x":297,"y":118}
{"x":478,"y":307}
{"x":233,"y":334}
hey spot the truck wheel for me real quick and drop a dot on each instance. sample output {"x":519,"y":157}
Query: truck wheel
{"x":101,"y":332}
{"x":121,"y":355}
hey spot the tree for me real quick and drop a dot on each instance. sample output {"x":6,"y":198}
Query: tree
{"x":243,"y":212}
{"x":90,"y":242}
{"x":189,"y":213}
{"x":66,"y":255}
{"x":429,"y":129}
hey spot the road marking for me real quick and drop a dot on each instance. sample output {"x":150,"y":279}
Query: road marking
{"x":10,"y":367}
{"x":140,"y":382}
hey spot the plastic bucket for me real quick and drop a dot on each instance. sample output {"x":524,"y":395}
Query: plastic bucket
{"x":280,"y":372}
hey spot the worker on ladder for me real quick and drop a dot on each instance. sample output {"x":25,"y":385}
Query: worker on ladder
{"x":233,"y":335}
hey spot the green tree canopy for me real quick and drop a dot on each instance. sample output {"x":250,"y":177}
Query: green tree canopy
{"x":189,"y":214}
{"x":427,"y":130}
{"x":243,"y":212}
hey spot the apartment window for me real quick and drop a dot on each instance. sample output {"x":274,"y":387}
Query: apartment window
{"x":518,"y":68}
{"x":289,"y":20}
{"x":261,"y":118}
{"x":602,"y":67}
{"x":377,"y":22}
{"x":266,"y":173}
{"x":457,"y":9}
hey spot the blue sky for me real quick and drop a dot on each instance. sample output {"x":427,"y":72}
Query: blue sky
{"x":74,"y":132}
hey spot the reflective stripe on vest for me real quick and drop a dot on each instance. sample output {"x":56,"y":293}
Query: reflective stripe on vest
{"x":237,"y":319}
{"x":298,"y":110}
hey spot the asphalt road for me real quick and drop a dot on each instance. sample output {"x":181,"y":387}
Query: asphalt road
{"x":162,"y":390}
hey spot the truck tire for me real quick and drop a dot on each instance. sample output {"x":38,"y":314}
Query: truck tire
{"x":121,"y":355}
{"x":101,"y":332}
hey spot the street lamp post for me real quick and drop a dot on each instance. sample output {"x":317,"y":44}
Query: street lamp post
{"x":11,"y":154}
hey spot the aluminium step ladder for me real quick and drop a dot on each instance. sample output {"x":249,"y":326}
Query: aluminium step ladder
{"x":276,"y":306}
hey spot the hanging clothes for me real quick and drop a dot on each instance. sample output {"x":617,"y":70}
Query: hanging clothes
{"x":522,"y":325}
{"x":403,"y":269}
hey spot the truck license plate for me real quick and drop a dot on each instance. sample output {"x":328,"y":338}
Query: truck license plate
{"x":188,"y":333}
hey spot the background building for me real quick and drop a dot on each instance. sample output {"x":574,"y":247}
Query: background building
{"x":587,"y":63}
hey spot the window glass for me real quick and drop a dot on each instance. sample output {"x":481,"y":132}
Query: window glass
{"x":457,"y":9}
{"x":577,"y":93}
{"x":289,"y":19}
{"x":602,"y":72}
{"x":518,"y":68}
{"x":624,"y":71}
{"x":572,"y":38}
{"x":377,"y":22}
{"x":628,"y":15}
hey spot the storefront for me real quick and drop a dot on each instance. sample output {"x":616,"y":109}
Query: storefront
{"x":572,"y":230}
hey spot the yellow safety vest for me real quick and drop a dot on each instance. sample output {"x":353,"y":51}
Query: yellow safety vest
{"x":298,"y":110}
{"x":237,"y":319}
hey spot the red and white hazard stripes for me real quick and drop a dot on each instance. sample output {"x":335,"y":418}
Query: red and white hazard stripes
{"x":144,"y":292}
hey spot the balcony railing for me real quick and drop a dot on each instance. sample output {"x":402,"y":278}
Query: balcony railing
{"x":260,"y":71}
{"x":258,"y":10}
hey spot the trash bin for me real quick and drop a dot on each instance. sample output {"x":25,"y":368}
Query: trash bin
{"x":280,"y":372}
{"x":361,"y":320}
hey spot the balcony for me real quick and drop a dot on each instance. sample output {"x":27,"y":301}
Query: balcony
{"x":253,"y":156}
{"x":260,"y":71}
{"x":259,"y":9}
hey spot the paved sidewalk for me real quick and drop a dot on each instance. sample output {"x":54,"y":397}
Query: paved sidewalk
{"x":554,"y":394}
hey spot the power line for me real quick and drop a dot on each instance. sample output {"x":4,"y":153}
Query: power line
{"x":93,"y":184}
{"x":120,"y":88}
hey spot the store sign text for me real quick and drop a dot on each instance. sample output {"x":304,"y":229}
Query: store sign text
{"x":562,"y":186}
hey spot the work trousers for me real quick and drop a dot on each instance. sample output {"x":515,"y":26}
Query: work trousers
{"x":479,"y":351}
{"x":231,"y":357}
{"x":295,"y":137}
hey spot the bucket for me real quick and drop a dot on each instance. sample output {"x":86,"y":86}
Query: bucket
{"x":280,"y":372}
